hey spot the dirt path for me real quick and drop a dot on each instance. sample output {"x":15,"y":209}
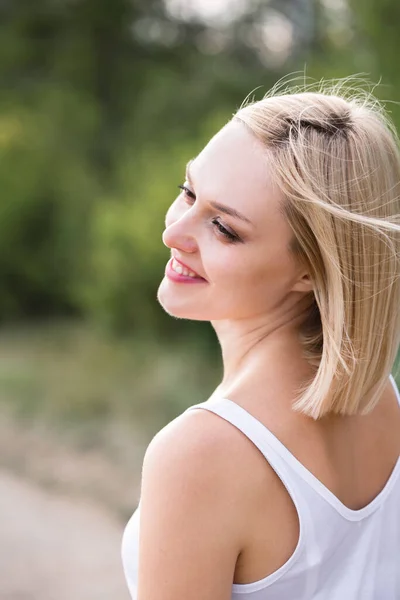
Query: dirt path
{"x":55,"y":547}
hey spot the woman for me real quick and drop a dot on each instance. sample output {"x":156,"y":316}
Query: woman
{"x":285,"y":483}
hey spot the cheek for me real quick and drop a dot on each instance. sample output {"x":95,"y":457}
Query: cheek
{"x":254,"y":272}
{"x":231,"y":270}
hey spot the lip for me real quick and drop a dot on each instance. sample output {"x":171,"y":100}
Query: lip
{"x":177,"y":278}
{"x":186,"y":266}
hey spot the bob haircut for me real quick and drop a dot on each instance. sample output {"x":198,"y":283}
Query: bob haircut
{"x":334,"y":154}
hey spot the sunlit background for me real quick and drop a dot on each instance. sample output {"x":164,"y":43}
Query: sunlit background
{"x":102,"y":104}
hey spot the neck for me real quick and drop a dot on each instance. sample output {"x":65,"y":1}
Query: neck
{"x":248,"y":345}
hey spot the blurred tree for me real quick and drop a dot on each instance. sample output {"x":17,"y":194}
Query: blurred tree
{"x":102,"y":104}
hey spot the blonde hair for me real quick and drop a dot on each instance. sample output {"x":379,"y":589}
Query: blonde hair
{"x":335,"y":156}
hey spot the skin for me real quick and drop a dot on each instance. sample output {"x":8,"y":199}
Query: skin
{"x":202,"y":479}
{"x":255,"y":293}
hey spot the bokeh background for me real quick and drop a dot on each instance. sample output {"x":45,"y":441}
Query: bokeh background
{"x":102,"y":103}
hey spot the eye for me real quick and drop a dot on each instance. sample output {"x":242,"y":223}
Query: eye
{"x":187,"y":192}
{"x":230,"y":236}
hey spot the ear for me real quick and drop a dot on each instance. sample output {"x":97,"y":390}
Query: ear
{"x":303,"y":284}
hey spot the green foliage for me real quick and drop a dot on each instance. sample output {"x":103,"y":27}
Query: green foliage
{"x":74,"y":376}
{"x":102,"y":105}
{"x":127,"y":257}
{"x":47,"y":189}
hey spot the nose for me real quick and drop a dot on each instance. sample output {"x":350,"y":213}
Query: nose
{"x":177,"y":233}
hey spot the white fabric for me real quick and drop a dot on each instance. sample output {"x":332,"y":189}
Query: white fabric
{"x":342,"y":554}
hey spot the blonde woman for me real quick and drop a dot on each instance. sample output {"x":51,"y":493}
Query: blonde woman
{"x":285,"y":483}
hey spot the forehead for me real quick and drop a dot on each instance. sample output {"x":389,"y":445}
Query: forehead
{"x":234,"y":168}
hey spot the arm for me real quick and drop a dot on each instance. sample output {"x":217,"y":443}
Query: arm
{"x":191,"y":511}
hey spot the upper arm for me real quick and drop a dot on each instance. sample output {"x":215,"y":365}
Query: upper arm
{"x":189,"y":512}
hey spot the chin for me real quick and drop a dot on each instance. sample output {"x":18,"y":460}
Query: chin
{"x":176,"y":305}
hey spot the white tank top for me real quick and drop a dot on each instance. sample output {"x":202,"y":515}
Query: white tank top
{"x":342,"y":554}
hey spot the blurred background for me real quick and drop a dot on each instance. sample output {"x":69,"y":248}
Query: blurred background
{"x":101,"y":105}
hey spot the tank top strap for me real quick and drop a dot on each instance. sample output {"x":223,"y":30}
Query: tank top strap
{"x":256,"y":431}
{"x":392,"y":379}
{"x":277,"y":455}
{"x":289,"y":469}
{"x":268,"y":444}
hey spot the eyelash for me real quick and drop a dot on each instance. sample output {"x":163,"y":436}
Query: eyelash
{"x":230,"y":236}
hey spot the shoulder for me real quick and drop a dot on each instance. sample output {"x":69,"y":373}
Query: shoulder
{"x":203,"y":463}
{"x":203,"y":459}
{"x":200,"y":500}
{"x":197,"y":445}
{"x":191,"y":510}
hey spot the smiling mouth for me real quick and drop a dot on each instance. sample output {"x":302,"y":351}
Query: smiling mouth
{"x":181,"y":270}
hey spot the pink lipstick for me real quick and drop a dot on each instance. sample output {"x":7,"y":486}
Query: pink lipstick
{"x":180,"y":278}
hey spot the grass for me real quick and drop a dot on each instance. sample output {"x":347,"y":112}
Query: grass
{"x":78,"y":408}
{"x":71,"y":375}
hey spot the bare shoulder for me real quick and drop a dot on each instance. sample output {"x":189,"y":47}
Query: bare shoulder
{"x":201,"y":445}
{"x":191,"y":510}
{"x":207,"y":493}
{"x":203,"y":459}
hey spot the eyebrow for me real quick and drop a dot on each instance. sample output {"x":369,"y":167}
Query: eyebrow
{"x":221,"y":207}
